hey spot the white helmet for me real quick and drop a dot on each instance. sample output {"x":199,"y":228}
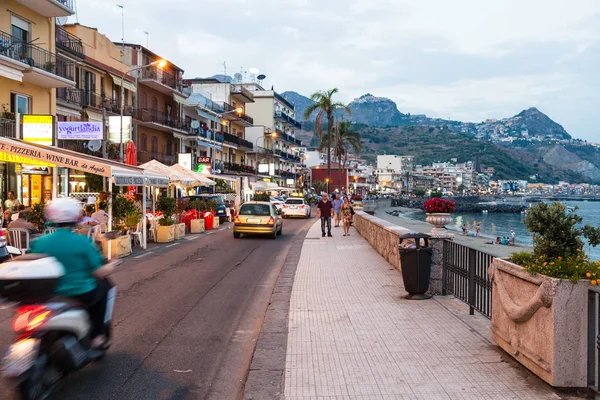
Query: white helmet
{"x":63,"y":211}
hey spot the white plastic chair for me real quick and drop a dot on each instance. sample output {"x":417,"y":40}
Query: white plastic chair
{"x":93,"y":232}
{"x":19,"y":238}
{"x":137,"y":234}
{"x":49,"y":231}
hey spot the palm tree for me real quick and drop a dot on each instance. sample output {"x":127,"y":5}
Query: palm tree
{"x":344,"y":139}
{"x":327,"y":107}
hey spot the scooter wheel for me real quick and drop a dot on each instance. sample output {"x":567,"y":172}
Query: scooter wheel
{"x":43,"y":378}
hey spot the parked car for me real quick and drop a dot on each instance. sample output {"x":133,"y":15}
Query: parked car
{"x":220,"y":212}
{"x":257,"y":217}
{"x":295,"y":207}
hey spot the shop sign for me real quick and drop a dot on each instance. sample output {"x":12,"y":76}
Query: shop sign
{"x":156,"y":181}
{"x":185,"y":160}
{"x":263,"y":168}
{"x":38,"y":129}
{"x":80,"y":130}
{"x":289,"y":181}
{"x":28,"y":155}
{"x":11,"y":158}
{"x":35,"y":169}
{"x":129,"y":180}
{"x":203,"y":168}
{"x":203,"y":160}
{"x":114,"y":129}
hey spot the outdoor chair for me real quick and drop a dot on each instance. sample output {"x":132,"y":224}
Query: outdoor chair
{"x":137,"y":234}
{"x":49,"y":231}
{"x":19,"y":238}
{"x":93,"y":233}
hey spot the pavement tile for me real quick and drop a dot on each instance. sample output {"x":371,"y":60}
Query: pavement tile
{"x":353,"y":337}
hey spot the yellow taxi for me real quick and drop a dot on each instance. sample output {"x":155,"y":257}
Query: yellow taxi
{"x":257,"y":217}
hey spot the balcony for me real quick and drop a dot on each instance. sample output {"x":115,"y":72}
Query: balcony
{"x":289,"y":174}
{"x":287,"y":120}
{"x":228,"y":137}
{"x":199,"y":100}
{"x":160,"y":80}
{"x":69,"y":42}
{"x":237,"y":168}
{"x":50,"y":8}
{"x":241,"y":94}
{"x":158,"y":120}
{"x":8,"y":128}
{"x":34,"y":64}
{"x":71,"y":96}
{"x":290,"y":139}
{"x":229,"y":113}
{"x":290,"y":157}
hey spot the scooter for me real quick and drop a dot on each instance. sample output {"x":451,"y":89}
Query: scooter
{"x":52,"y":334}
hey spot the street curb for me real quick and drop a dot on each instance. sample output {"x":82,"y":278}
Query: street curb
{"x":267,"y":369}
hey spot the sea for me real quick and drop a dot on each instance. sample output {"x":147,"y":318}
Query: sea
{"x":500,"y":224}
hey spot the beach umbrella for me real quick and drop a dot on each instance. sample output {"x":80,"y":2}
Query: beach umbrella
{"x":131,"y":159}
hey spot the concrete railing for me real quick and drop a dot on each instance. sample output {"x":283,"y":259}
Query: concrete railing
{"x":384,"y":236}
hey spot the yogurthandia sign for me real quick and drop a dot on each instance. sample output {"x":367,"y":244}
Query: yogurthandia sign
{"x":80,"y":130}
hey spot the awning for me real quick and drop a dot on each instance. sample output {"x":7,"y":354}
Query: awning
{"x":156,"y":179}
{"x":261,"y":185}
{"x":11,"y":73}
{"x":199,"y":179}
{"x":224,"y":177}
{"x":67,"y":111}
{"x":166,"y":171}
{"x":179,"y":99}
{"x":126,"y":84}
{"x":127,"y":177}
{"x":94,"y":116}
{"x":208,"y":116}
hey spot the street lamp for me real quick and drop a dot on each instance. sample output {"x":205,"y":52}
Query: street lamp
{"x":273,"y":134}
{"x":160,"y":64}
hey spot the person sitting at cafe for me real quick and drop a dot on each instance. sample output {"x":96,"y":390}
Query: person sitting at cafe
{"x":15,"y":216}
{"x":86,"y":217}
{"x":101,"y":215}
{"x":7,"y":218}
{"x":22,"y":223}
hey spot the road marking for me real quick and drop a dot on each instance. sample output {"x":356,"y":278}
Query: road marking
{"x":171,"y":245}
{"x":144,"y":254}
{"x":191,"y":237}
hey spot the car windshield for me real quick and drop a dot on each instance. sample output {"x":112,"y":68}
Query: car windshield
{"x":218,"y":199}
{"x":255,"y":209}
{"x":294,"y":201}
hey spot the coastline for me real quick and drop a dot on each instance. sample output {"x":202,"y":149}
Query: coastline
{"x":478,"y":243}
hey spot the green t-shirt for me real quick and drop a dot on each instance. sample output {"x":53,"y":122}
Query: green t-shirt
{"x":78,"y":256}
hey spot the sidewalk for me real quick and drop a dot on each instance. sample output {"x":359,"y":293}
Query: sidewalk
{"x":352,"y":335}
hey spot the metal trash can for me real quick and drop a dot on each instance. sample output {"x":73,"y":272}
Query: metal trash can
{"x":415,"y":261}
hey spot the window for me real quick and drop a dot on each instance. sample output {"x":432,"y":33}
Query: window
{"x":255,"y":209}
{"x":154,"y":109}
{"x":20,"y":103}
{"x":102,"y":91}
{"x":169,"y":148}
{"x":20,"y":28}
{"x":143,"y":142}
{"x":154,"y":144}
{"x":143,"y":101}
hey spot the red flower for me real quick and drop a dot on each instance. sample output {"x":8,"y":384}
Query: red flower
{"x":438,"y":205}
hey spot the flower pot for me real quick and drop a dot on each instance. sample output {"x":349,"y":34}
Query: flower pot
{"x":119,"y":247}
{"x":541,"y":322}
{"x":439,"y":220}
{"x":165,"y":234}
{"x":179,"y":231}
{"x":215,"y":222}
{"x":196,"y":226}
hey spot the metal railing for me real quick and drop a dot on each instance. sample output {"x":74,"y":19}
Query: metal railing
{"x":158,"y":117}
{"x":67,"y":3}
{"x":227,"y":166}
{"x":593,"y":347}
{"x":35,"y":56}
{"x":69,"y":42}
{"x":158,"y":75}
{"x":465,"y":275}
{"x":240,"y":89}
{"x":71,"y":95}
{"x":8,"y":128}
{"x":287,"y":119}
{"x":289,"y":138}
{"x":232,"y":114}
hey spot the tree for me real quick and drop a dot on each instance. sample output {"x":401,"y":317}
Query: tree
{"x":323,"y":101}
{"x":320,"y":186}
{"x":407,"y":175}
{"x":461,"y":188}
{"x":344,"y":139}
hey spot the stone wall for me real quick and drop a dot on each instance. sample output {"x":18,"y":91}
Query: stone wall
{"x":384,"y":236}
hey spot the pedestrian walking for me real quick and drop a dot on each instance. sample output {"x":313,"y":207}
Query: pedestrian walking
{"x":465,"y":229}
{"x":513,"y":236}
{"x":346,"y":211}
{"x":337,"y":204}
{"x":324,"y":211}
{"x":478,"y":229}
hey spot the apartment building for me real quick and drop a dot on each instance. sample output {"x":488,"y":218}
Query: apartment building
{"x":158,"y":110}
{"x":220,"y":107}
{"x":395,"y":172}
{"x":30,"y":73}
{"x":277,"y":155}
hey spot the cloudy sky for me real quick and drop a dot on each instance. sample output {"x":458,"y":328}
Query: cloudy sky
{"x":461,"y":59}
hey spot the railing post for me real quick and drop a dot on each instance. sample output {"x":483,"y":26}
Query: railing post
{"x":444,"y":266}
{"x":471,"y":288}
{"x":591,"y":328}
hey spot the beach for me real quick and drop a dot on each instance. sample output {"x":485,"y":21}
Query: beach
{"x":478,"y":243}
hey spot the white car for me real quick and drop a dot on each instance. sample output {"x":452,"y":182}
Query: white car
{"x":277,"y":203}
{"x":295,"y":207}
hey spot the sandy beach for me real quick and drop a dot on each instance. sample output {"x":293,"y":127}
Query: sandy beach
{"x":478,"y":243}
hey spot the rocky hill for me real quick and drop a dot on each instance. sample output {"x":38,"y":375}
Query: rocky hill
{"x":375,"y":111}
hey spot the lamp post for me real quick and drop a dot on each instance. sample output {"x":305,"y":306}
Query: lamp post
{"x":161,"y":64}
{"x":273,"y":134}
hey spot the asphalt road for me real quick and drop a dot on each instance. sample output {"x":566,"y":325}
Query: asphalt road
{"x":186,"y":320}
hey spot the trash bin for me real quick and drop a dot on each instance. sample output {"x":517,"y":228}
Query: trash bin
{"x":209,"y":219}
{"x":415,"y":260}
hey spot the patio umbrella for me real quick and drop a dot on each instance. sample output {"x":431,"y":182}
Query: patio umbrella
{"x":131,"y":159}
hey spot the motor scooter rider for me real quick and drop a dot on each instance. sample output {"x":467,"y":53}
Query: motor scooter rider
{"x":85,"y":269}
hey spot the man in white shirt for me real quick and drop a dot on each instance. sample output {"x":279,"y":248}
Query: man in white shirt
{"x":12,"y":203}
{"x":101,"y":215}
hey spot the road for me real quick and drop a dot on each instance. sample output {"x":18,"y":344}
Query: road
{"x":186,"y":319}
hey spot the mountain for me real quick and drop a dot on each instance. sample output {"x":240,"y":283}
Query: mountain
{"x":300,"y":103}
{"x":375,"y":111}
{"x":539,"y":124}
{"x":562,"y":158}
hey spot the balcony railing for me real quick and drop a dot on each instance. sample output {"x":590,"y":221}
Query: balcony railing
{"x":157,"y":74}
{"x":8,"y":128}
{"x":228,"y":137}
{"x":240,"y":89}
{"x":289,"y":174}
{"x":286,"y":119}
{"x":35,"y":56}
{"x":163,"y":158}
{"x":71,"y":95}
{"x":284,"y":136}
{"x":68,"y":42}
{"x":198,"y":99}
{"x":233,"y":167}
{"x":157,"y":117}
{"x":232,"y":114}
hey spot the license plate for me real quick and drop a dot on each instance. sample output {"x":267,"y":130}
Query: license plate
{"x":253,"y":220}
{"x":293,"y":206}
{"x":20,"y":357}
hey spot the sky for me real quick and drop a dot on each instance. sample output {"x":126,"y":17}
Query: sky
{"x":466,"y":60}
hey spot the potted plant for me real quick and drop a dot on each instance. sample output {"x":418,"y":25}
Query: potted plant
{"x":439,"y":213}
{"x":194,"y":216}
{"x":211,"y":205}
{"x":165,"y":232}
{"x":182,"y":204}
{"x":120,"y":246}
{"x":539,"y":299}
